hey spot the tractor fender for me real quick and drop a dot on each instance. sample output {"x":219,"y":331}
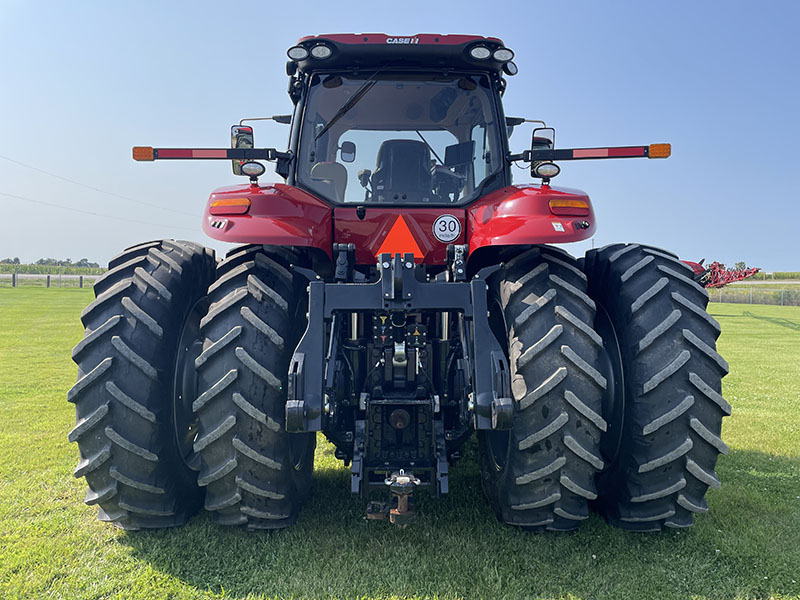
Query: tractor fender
{"x":279,"y":214}
{"x":521,"y":215}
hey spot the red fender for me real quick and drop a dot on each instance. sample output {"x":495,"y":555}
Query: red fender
{"x":518,"y":215}
{"x":279,"y":214}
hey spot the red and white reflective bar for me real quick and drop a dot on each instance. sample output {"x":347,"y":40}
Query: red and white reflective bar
{"x":650,"y":151}
{"x":190,"y":153}
{"x":147,"y":153}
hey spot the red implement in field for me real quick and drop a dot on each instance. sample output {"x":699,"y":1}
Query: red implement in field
{"x":716,"y":275}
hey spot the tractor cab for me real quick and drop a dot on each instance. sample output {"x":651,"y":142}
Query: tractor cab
{"x":399,"y":138}
{"x":397,"y":120}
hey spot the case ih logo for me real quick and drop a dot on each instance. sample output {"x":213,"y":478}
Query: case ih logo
{"x":411,"y":40}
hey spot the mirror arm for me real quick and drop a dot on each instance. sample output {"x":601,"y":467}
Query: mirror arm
{"x":277,"y":155}
{"x":524,"y":155}
{"x":283,"y":161}
{"x":282,"y":119}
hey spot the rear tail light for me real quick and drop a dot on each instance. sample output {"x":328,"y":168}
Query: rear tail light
{"x":230,"y":206}
{"x":569,"y":207}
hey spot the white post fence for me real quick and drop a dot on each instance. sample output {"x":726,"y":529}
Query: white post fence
{"x":753,"y":295}
{"x":48,"y":280}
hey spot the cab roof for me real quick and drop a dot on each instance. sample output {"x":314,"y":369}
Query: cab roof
{"x":380,"y":50}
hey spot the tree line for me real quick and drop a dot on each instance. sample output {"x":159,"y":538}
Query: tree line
{"x":54,"y":262}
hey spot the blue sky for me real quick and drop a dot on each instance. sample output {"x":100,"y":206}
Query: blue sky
{"x":82,"y":82}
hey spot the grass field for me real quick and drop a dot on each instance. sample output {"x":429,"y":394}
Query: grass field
{"x":52,"y":546}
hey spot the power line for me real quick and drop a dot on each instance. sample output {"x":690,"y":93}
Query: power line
{"x":96,"y":189}
{"x":96,"y":214}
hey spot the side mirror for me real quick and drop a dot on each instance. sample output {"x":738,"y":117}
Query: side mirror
{"x":363,"y":177}
{"x":544,"y":138}
{"x":241,"y":137}
{"x":348,"y":152}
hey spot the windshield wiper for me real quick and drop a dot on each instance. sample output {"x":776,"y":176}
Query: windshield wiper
{"x":441,"y":162}
{"x":354,"y":99}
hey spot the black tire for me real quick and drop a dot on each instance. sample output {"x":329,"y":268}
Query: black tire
{"x":256,"y":474}
{"x":664,"y":439}
{"x":125,"y":397}
{"x":540,"y":475}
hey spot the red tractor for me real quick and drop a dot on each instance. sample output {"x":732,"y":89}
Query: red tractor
{"x":398,"y":293}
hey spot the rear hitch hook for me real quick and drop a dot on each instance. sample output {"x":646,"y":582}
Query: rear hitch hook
{"x":402,"y":485}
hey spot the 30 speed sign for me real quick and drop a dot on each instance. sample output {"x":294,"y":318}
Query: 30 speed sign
{"x":446,"y":228}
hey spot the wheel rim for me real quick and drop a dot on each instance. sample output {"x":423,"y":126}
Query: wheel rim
{"x":614,"y":397}
{"x":184,"y":389}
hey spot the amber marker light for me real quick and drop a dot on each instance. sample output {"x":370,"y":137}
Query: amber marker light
{"x":230,"y":206}
{"x":143,"y":153}
{"x":569,"y":207}
{"x":659,"y":150}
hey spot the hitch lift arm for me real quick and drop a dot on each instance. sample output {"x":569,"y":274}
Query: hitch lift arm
{"x":398,"y":289}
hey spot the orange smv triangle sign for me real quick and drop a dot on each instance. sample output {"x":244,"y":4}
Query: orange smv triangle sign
{"x":400,"y":240}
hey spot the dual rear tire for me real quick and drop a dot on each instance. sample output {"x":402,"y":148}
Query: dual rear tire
{"x":181,"y":389}
{"x":622,"y":406}
{"x":182,"y":386}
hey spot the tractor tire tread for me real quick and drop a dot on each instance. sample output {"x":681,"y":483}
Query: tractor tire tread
{"x":246,"y":464}
{"x":557,"y":388}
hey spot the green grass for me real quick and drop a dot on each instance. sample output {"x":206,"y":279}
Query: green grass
{"x":52,"y":546}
